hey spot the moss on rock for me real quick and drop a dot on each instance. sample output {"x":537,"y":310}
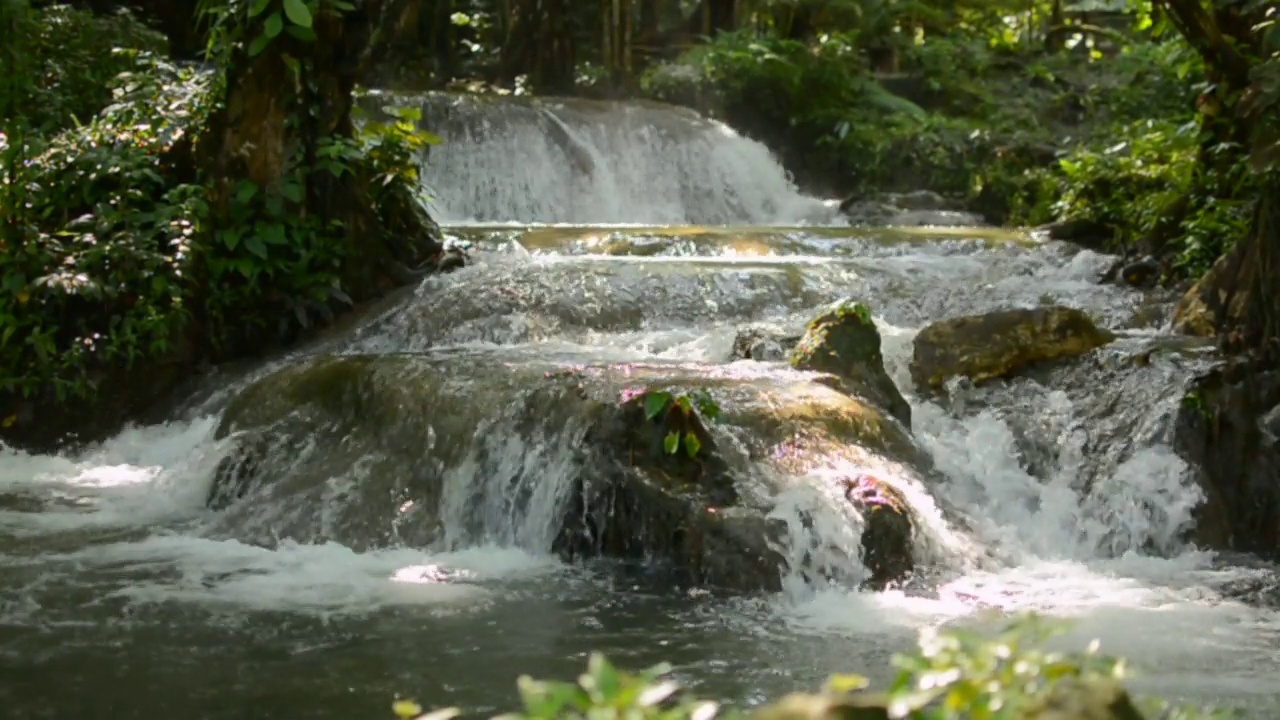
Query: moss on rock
{"x":998,"y":344}
{"x":844,"y":342}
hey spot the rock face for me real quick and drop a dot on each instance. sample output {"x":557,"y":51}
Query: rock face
{"x":652,"y":499}
{"x":914,"y":209}
{"x":1193,"y":316}
{"x":844,"y":342}
{"x":1228,"y":426}
{"x":373,"y":451}
{"x":887,"y":535}
{"x":983,"y":347}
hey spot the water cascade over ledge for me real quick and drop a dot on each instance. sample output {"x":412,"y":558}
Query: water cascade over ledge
{"x":561,"y":160}
{"x":449,"y":473}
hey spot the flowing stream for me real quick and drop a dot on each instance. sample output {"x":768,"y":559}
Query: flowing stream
{"x":635,"y":238}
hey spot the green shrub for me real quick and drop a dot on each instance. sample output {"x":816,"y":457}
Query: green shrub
{"x":955,"y":675}
{"x":95,"y":267}
{"x":69,"y":59}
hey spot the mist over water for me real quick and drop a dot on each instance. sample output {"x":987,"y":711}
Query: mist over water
{"x":120,"y":589}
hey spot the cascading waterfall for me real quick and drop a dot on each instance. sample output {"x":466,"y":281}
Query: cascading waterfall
{"x":581,"y":161}
{"x":412,"y":495}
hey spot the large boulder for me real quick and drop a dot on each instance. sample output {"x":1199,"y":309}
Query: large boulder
{"x":844,"y":342}
{"x":671,"y":469}
{"x":662,"y":490}
{"x":1228,"y":428}
{"x":998,"y":344}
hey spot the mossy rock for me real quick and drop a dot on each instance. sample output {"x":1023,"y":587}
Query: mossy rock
{"x":999,"y":344}
{"x":336,"y":384}
{"x":645,"y":503}
{"x":844,"y":342}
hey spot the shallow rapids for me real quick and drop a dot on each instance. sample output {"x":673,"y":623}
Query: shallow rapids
{"x":123,"y":595}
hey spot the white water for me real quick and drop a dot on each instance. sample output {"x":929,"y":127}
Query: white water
{"x":577,"y":161}
{"x":123,"y":522}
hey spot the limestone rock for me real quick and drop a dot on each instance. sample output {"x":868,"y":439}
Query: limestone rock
{"x":844,"y":342}
{"x":373,"y":450}
{"x":1192,"y":315}
{"x":650,"y":500}
{"x":998,"y":344}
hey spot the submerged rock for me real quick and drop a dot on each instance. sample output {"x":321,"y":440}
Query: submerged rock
{"x":997,"y":344}
{"x":844,"y":342}
{"x":762,"y":344}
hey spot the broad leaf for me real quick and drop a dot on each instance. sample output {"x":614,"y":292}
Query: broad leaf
{"x":298,"y":13}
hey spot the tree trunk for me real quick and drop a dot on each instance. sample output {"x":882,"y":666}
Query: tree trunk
{"x":1239,"y":298}
{"x":712,"y":17}
{"x":278,"y":108}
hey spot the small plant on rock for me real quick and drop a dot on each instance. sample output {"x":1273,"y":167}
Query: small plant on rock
{"x":680,"y":410}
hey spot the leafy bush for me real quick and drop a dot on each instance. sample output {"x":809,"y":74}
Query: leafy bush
{"x":1127,"y":184}
{"x":68,"y":62}
{"x":97,"y":264}
{"x":109,"y":252}
{"x":956,"y":675}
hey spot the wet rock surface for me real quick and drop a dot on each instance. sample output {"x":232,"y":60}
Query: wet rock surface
{"x":887,"y":535}
{"x":844,"y":342}
{"x":920,"y":208}
{"x":998,"y":344}
{"x":763,"y":344}
{"x":1226,"y":427}
{"x":374,"y":451}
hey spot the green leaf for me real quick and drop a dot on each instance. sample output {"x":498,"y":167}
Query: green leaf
{"x":305,"y":34}
{"x":245,"y":192}
{"x":672,"y":442}
{"x":655,"y":403}
{"x":692,"y":444}
{"x":256,"y":246}
{"x":274,"y":234}
{"x":843,"y":684}
{"x":273,"y":25}
{"x":258,"y":7}
{"x":292,"y":191}
{"x":298,"y":13}
{"x":601,"y":680}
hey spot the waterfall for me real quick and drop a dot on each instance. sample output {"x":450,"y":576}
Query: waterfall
{"x":433,"y":476}
{"x":523,"y":160}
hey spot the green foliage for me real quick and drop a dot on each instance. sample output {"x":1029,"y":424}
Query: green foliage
{"x":1127,"y":184}
{"x":114,"y":243}
{"x":393,"y":148}
{"x":661,"y":404}
{"x":261,"y":22}
{"x":96,"y":257}
{"x":64,"y":62}
{"x":955,"y":675}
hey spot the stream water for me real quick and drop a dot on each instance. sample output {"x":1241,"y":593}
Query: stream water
{"x":630,"y":234}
